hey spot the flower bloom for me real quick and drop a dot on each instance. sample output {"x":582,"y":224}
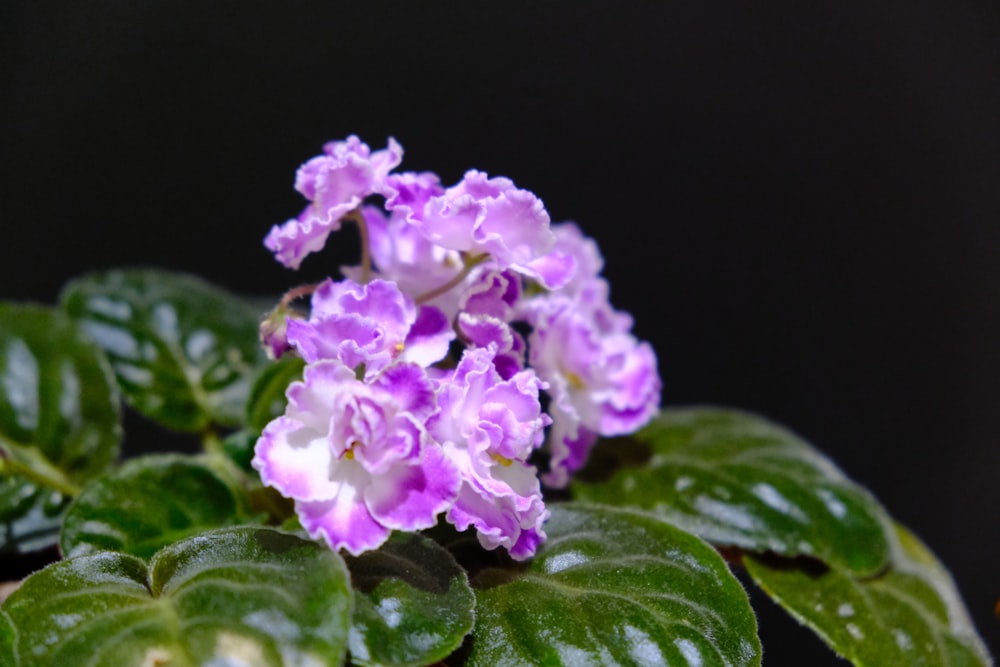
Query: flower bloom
{"x":489,"y":426}
{"x":427,"y":366}
{"x":356,"y":457}
{"x":602,"y":380}
{"x":490,"y":216}
{"x":368,"y":326}
{"x":334,"y":183}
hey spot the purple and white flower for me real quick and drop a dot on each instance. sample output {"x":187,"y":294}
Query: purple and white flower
{"x":488,"y":427}
{"x":369,"y":325}
{"x":335,"y":183}
{"x":482,"y":215}
{"x":391,"y":426}
{"x":403,"y":255}
{"x":355,"y":456}
{"x":604,"y":383}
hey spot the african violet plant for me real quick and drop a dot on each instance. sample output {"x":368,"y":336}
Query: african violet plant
{"x":454,"y":455}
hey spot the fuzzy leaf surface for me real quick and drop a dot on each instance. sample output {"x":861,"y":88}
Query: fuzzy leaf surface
{"x":246,"y":596}
{"x":734,"y":478}
{"x":413,"y":603}
{"x":613,"y":586}
{"x":910,"y":615}
{"x":147,"y":504}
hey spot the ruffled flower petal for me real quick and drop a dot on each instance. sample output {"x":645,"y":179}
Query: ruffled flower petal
{"x":344,"y":445}
{"x":335,"y":183}
{"x":410,"y":498}
{"x":489,"y":215}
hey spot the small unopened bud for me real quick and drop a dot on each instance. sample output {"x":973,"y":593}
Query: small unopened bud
{"x":274,"y":332}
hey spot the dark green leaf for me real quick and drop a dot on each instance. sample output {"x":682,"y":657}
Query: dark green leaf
{"x":30,"y":515}
{"x":737,"y":479}
{"x":147,"y":504}
{"x":246,"y":596}
{"x":413,"y":604}
{"x":238,"y":446}
{"x":60,"y":420}
{"x":267,"y":398}
{"x":184,"y":351}
{"x":6,"y":639}
{"x":613,"y":586}
{"x":910,"y":615}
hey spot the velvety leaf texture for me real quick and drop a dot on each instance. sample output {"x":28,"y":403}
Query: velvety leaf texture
{"x":910,"y":615}
{"x":237,"y":596}
{"x":184,"y":351}
{"x":413,"y":604}
{"x":613,"y":586}
{"x":60,"y":417}
{"x":148,"y":504}
{"x":734,"y":478}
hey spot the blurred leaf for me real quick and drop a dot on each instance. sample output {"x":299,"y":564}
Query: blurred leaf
{"x":184,"y":351}
{"x":911,"y":615}
{"x":236,"y":596}
{"x":147,"y":504}
{"x":238,"y":447}
{"x":267,"y":398}
{"x":413,"y":604}
{"x":60,"y":421}
{"x":30,"y":516}
{"x":613,"y":586}
{"x":736,"y":479}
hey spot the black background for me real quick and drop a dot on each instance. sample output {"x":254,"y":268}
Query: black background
{"x":799,"y":203}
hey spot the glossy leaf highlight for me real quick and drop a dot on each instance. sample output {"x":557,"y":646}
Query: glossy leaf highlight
{"x":184,"y":351}
{"x":30,"y":515}
{"x":613,"y":586}
{"x":734,"y":478}
{"x":911,"y":615}
{"x":60,"y":420}
{"x":413,"y":603}
{"x":249,"y":596}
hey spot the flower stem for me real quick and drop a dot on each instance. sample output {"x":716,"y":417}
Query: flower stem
{"x":211,"y":442}
{"x":48,"y":476}
{"x":470,"y":263}
{"x":358,"y":218}
{"x":366,"y":255}
{"x":297,"y":293}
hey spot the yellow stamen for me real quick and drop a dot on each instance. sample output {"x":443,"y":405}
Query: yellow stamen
{"x":502,"y":460}
{"x":575,"y":381}
{"x":349,"y":452}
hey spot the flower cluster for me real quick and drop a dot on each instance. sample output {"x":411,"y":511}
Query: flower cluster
{"x":427,"y":364}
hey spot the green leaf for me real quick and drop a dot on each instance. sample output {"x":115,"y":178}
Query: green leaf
{"x":267,"y":398}
{"x":60,"y":421}
{"x":238,"y":447}
{"x":911,"y":615}
{"x":247,"y":596}
{"x":6,"y":639}
{"x":184,"y":351}
{"x":146,"y":504}
{"x":413,"y":603}
{"x":736,"y":479}
{"x":30,"y":516}
{"x":613,"y":586}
